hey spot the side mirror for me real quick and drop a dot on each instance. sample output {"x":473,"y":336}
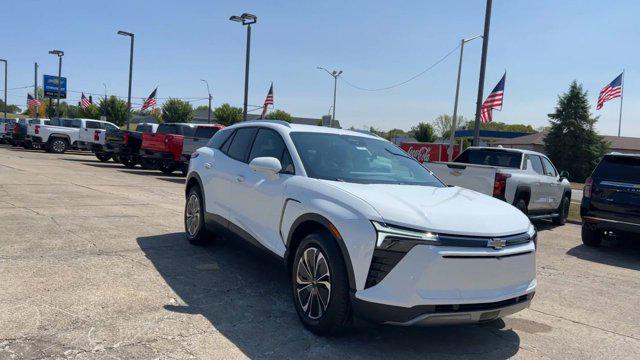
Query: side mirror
{"x":266,"y":165}
{"x":564,"y":174}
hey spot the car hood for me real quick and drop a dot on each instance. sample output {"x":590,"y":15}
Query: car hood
{"x":448,"y":210}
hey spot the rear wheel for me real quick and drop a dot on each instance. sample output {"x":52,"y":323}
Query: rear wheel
{"x":194,"y":225}
{"x":591,"y":236}
{"x":563,"y":212}
{"x":521,"y":205}
{"x":27,"y":145}
{"x":320,"y":286}
{"x":149,"y":164}
{"x":104,"y":157}
{"x":168,"y":166}
{"x":129,"y":161}
{"x":58,"y":145}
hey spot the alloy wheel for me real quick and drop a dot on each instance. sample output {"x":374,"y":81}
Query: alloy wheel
{"x":58,"y":146}
{"x":193,"y":214}
{"x":313,"y":283}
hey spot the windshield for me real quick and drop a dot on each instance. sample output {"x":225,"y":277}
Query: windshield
{"x":491,"y":157}
{"x":359,"y":159}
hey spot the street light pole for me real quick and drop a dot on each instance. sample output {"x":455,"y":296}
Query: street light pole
{"x":104,"y":111}
{"x":483,"y":66}
{"x":246,"y":19}
{"x":210,"y":97}
{"x":455,"y":103}
{"x":5,"y":86}
{"x":132,"y":36}
{"x":35,"y":87}
{"x":335,"y":74}
{"x":60,"y":54}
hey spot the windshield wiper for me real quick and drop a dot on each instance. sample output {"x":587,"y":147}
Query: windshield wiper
{"x":401,"y":155}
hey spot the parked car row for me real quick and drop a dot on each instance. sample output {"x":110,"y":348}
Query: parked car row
{"x":167,"y":147}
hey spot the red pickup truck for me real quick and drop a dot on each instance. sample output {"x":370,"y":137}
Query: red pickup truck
{"x":165,"y":145}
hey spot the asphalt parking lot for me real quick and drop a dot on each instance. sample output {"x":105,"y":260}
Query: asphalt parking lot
{"x":93,"y":264}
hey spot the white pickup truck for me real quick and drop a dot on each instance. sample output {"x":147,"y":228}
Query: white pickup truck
{"x":526,"y":179}
{"x":63,"y":134}
{"x":33,"y":129}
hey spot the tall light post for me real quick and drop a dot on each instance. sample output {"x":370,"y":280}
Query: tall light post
{"x":335,"y":74}
{"x":5,"y":86}
{"x":132,"y":36}
{"x":60,"y":54}
{"x":246,"y":19}
{"x":210,"y":97}
{"x":455,"y":103}
{"x":483,"y":66}
{"x":104,"y":111}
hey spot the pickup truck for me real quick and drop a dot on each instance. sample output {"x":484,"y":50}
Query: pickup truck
{"x":125,"y":144}
{"x":19,"y":132}
{"x":33,"y":129}
{"x":526,"y":179}
{"x":63,"y":133}
{"x":203,"y":133}
{"x":6,"y":129}
{"x":165,"y":145}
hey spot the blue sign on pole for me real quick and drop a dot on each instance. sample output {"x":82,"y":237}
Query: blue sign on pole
{"x":51,"y":86}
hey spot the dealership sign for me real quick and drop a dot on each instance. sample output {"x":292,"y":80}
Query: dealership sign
{"x":427,"y":152}
{"x":51,"y":86}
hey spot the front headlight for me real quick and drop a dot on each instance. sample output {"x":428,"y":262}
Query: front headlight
{"x":388,"y":236}
{"x":533,"y":235}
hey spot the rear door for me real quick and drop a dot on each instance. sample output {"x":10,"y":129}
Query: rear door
{"x":555,"y":190}
{"x":616,"y":187}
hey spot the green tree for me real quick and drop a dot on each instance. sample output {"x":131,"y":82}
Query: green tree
{"x":116,"y":110}
{"x":279,"y":115}
{"x":202,"y":108}
{"x":393,"y":133}
{"x":92,"y":112}
{"x":177,"y":111}
{"x":442,"y":125}
{"x":227,"y":115}
{"x":500,"y":126}
{"x":377,"y":131}
{"x":572,"y":142}
{"x":424,"y":132}
{"x":12,"y":109}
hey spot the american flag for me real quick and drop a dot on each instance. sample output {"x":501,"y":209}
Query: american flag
{"x":31,"y":101}
{"x":151,"y":100}
{"x":611,"y":91}
{"x":493,"y":101}
{"x":267,"y":101}
{"x":84,"y":102}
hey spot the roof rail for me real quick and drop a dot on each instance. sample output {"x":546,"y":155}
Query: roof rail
{"x":279,"y":122}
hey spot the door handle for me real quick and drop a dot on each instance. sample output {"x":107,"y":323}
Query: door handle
{"x":207,"y":165}
{"x":239,"y":178}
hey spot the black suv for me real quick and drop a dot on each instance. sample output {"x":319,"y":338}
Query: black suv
{"x":611,"y":201}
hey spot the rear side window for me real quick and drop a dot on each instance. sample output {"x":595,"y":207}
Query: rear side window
{"x":144,"y":128}
{"x":490,"y":157}
{"x":241,"y":144}
{"x":186,"y":130}
{"x":219,"y":138}
{"x":72,"y":123}
{"x":34,"y":122}
{"x":619,"y":168}
{"x":205,"y":132}
{"x":93,"y":125}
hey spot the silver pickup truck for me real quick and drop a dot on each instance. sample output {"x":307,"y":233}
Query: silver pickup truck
{"x":526,"y":179}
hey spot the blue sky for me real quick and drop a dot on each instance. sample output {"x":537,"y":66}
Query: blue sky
{"x":543,"y":45}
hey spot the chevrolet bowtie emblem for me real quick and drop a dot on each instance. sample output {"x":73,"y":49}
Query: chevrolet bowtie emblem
{"x":496,"y":243}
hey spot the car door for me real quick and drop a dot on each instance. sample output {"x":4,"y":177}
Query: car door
{"x":555,"y":190}
{"x":213,"y":165}
{"x":539,"y":196}
{"x":259,"y":197}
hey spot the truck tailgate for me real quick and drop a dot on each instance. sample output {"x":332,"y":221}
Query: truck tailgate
{"x":479,"y":178}
{"x":154,"y":141}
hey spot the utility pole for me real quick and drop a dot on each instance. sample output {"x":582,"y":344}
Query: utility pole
{"x":246,"y":19}
{"x":455,"y":103}
{"x":483,"y":66}
{"x":104,"y":112}
{"x":60,"y":54}
{"x":132,"y":36}
{"x":35,"y":87}
{"x":621,"y":97}
{"x":210,"y":98}
{"x":5,"y":86}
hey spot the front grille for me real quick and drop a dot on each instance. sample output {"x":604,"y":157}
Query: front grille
{"x":381,"y":264}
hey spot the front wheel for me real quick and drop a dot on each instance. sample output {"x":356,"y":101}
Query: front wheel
{"x":168,"y":166}
{"x":563,"y":212}
{"x":194,"y":225}
{"x":58,"y":146}
{"x":320,"y":286}
{"x":129,"y":161}
{"x":104,"y":157}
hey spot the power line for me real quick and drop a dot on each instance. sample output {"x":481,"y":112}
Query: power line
{"x":405,"y":81}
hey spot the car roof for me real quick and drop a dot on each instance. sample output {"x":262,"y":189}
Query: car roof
{"x":522,"y":151}
{"x":289,"y":128}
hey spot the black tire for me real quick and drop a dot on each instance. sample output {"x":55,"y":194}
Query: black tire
{"x":195,"y":230}
{"x":336,"y":316}
{"x":104,"y":157}
{"x":115,"y":158}
{"x":591,"y":236}
{"x":167,"y":167}
{"x":27,"y":145}
{"x":521,"y":205}
{"x":149,"y":164}
{"x":129,"y":161}
{"x":58,"y":145}
{"x":563,"y":212}
{"x":184,"y":169}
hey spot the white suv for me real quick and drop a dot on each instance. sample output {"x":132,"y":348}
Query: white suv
{"x":363,"y":228}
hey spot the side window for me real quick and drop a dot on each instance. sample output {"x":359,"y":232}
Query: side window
{"x":93,"y":125}
{"x":241,"y":144}
{"x":536,"y":164}
{"x":549,"y":170}
{"x":167,"y":129}
{"x":287,"y":163}
{"x":219,"y":139}
{"x":269,"y":143}
{"x":108,"y":126}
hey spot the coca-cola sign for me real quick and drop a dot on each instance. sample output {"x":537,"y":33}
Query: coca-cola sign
{"x":427,"y":152}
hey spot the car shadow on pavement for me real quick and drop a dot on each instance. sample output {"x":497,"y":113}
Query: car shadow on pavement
{"x":150,"y":172}
{"x":245,"y":295}
{"x":176,"y":180}
{"x":621,"y":252}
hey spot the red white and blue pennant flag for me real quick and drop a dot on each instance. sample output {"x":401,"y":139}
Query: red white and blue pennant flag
{"x":267,"y":101}
{"x":612,"y":91}
{"x":493,"y":101}
{"x":84,"y":102}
